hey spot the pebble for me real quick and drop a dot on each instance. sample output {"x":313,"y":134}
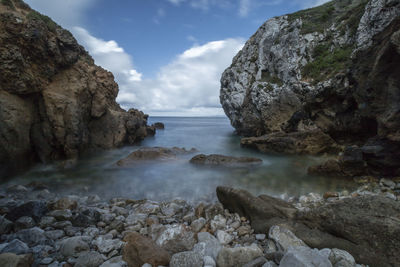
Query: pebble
{"x":260,"y":237}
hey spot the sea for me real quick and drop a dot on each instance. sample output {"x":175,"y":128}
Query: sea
{"x":97,"y":174}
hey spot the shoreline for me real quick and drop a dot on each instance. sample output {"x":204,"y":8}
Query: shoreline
{"x":78,"y":231}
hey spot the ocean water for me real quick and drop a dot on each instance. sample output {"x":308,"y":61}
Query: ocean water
{"x":97,"y":173}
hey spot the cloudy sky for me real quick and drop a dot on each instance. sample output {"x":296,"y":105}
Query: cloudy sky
{"x":167,"y":55}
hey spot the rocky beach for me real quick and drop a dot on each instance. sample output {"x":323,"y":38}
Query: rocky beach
{"x":314,"y":92}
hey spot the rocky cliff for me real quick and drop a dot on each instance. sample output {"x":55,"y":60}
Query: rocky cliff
{"x":325,"y":79}
{"x":55,"y":102}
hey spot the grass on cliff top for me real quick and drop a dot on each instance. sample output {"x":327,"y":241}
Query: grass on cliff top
{"x":319,"y":18}
{"x":34,"y":15}
{"x":327,"y":63}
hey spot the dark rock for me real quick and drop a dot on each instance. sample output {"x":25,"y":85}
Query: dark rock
{"x":12,"y":260}
{"x":342,"y":224}
{"x":159,"y":125}
{"x":310,"y":142}
{"x":227,"y":161}
{"x":329,"y":168}
{"x":33,"y":236}
{"x":258,"y":262}
{"x":5,"y":225}
{"x":140,"y":250}
{"x":86,"y":218}
{"x":153,"y":153}
{"x":35,"y":209}
{"x":17,"y":247}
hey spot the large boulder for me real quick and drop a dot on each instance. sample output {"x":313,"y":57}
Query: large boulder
{"x":330,"y":70}
{"x":55,"y":102}
{"x":365,"y":226}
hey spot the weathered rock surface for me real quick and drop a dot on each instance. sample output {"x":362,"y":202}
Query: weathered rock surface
{"x":153,"y":153}
{"x":12,"y":260}
{"x":330,"y":70}
{"x":54,"y":101}
{"x":140,"y":250}
{"x":227,"y":161}
{"x":342,"y":224}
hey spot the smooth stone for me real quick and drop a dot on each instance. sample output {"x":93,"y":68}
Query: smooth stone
{"x":13,"y":260}
{"x":72,"y":246}
{"x":24,"y":222}
{"x":61,"y":215}
{"x":140,"y":250}
{"x":209,"y":261}
{"x":35,"y":209}
{"x":89,"y":259}
{"x":303,"y":257}
{"x":212,"y":246}
{"x":260,"y":237}
{"x":115,"y":262}
{"x":341,"y":258}
{"x":33,"y":236}
{"x":17,"y":247}
{"x":198,"y":224}
{"x":284,"y":238}
{"x":5,"y":225}
{"x":176,"y":238}
{"x":65,"y":203}
{"x":270,"y":264}
{"x":54,"y":234}
{"x":258,"y":262}
{"x":187,"y":259}
{"x":224,"y":238}
{"x":46,"y":221}
{"x":105,"y":245}
{"x":222,"y":160}
{"x":238,"y":256}
{"x":46,"y":261}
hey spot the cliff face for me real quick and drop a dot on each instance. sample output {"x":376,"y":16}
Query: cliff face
{"x":322,"y":80}
{"x":54,"y":101}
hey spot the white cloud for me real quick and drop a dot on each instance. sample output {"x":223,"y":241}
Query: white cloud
{"x":244,"y":8}
{"x":188,"y":85}
{"x":109,"y":55}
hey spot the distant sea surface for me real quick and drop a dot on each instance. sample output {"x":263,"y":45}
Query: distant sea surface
{"x":98,"y":174}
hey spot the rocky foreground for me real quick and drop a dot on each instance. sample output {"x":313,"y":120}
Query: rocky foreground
{"x":39,"y":228}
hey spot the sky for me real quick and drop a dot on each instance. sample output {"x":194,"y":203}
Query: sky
{"x":166,"y":55}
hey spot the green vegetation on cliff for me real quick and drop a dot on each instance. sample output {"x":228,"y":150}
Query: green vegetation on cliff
{"x":34,"y":15}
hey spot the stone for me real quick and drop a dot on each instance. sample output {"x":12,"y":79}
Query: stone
{"x":12,"y":260}
{"x":243,"y":230}
{"x":72,"y":246}
{"x":186,"y":258}
{"x":5,"y":225}
{"x":284,"y":238}
{"x":387,"y":183}
{"x":61,"y":215}
{"x":17,"y":247}
{"x":140,"y":250}
{"x":54,"y":234}
{"x":159,"y":125}
{"x":86,"y":218}
{"x":238,"y":256}
{"x":176,"y":238}
{"x":106,"y":245}
{"x":198,"y":224}
{"x":33,"y":236}
{"x":209,"y":261}
{"x":152,"y":153}
{"x":34,"y":209}
{"x":227,"y":161}
{"x":260,"y":237}
{"x":115,"y":262}
{"x":212,"y":246}
{"x":24,"y":222}
{"x":223,"y":237}
{"x":330,"y":194}
{"x":304,"y":257}
{"x":258,"y":262}
{"x":341,"y":258}
{"x":46,"y":221}
{"x":89,"y":259}
{"x":218,"y":223}
{"x":65,"y":203}
{"x":270,"y":264}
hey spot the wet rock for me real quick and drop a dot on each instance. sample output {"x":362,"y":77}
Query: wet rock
{"x":198,"y":224}
{"x":238,"y":256}
{"x":221,"y":160}
{"x":73,"y":246}
{"x":17,"y":189}
{"x":159,"y":125}
{"x":329,"y":168}
{"x":284,"y":238}
{"x":16,"y":246}
{"x":176,"y":238}
{"x":153,"y":153}
{"x":258,"y":262}
{"x":212,"y":246}
{"x":12,"y":260}
{"x":34,"y":209}
{"x":186,"y":258}
{"x":139,"y":250}
{"x":5,"y":225}
{"x":341,"y":258}
{"x":89,"y":259}
{"x":304,"y":256}
{"x":115,"y":262}
{"x":33,"y":236}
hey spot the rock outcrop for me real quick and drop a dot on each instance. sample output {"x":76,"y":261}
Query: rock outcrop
{"x":329,"y":72}
{"x":226,"y":161}
{"x":54,"y":101}
{"x":366,"y":226}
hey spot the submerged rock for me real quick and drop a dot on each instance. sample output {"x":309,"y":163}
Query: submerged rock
{"x":153,"y":153}
{"x":221,"y":160}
